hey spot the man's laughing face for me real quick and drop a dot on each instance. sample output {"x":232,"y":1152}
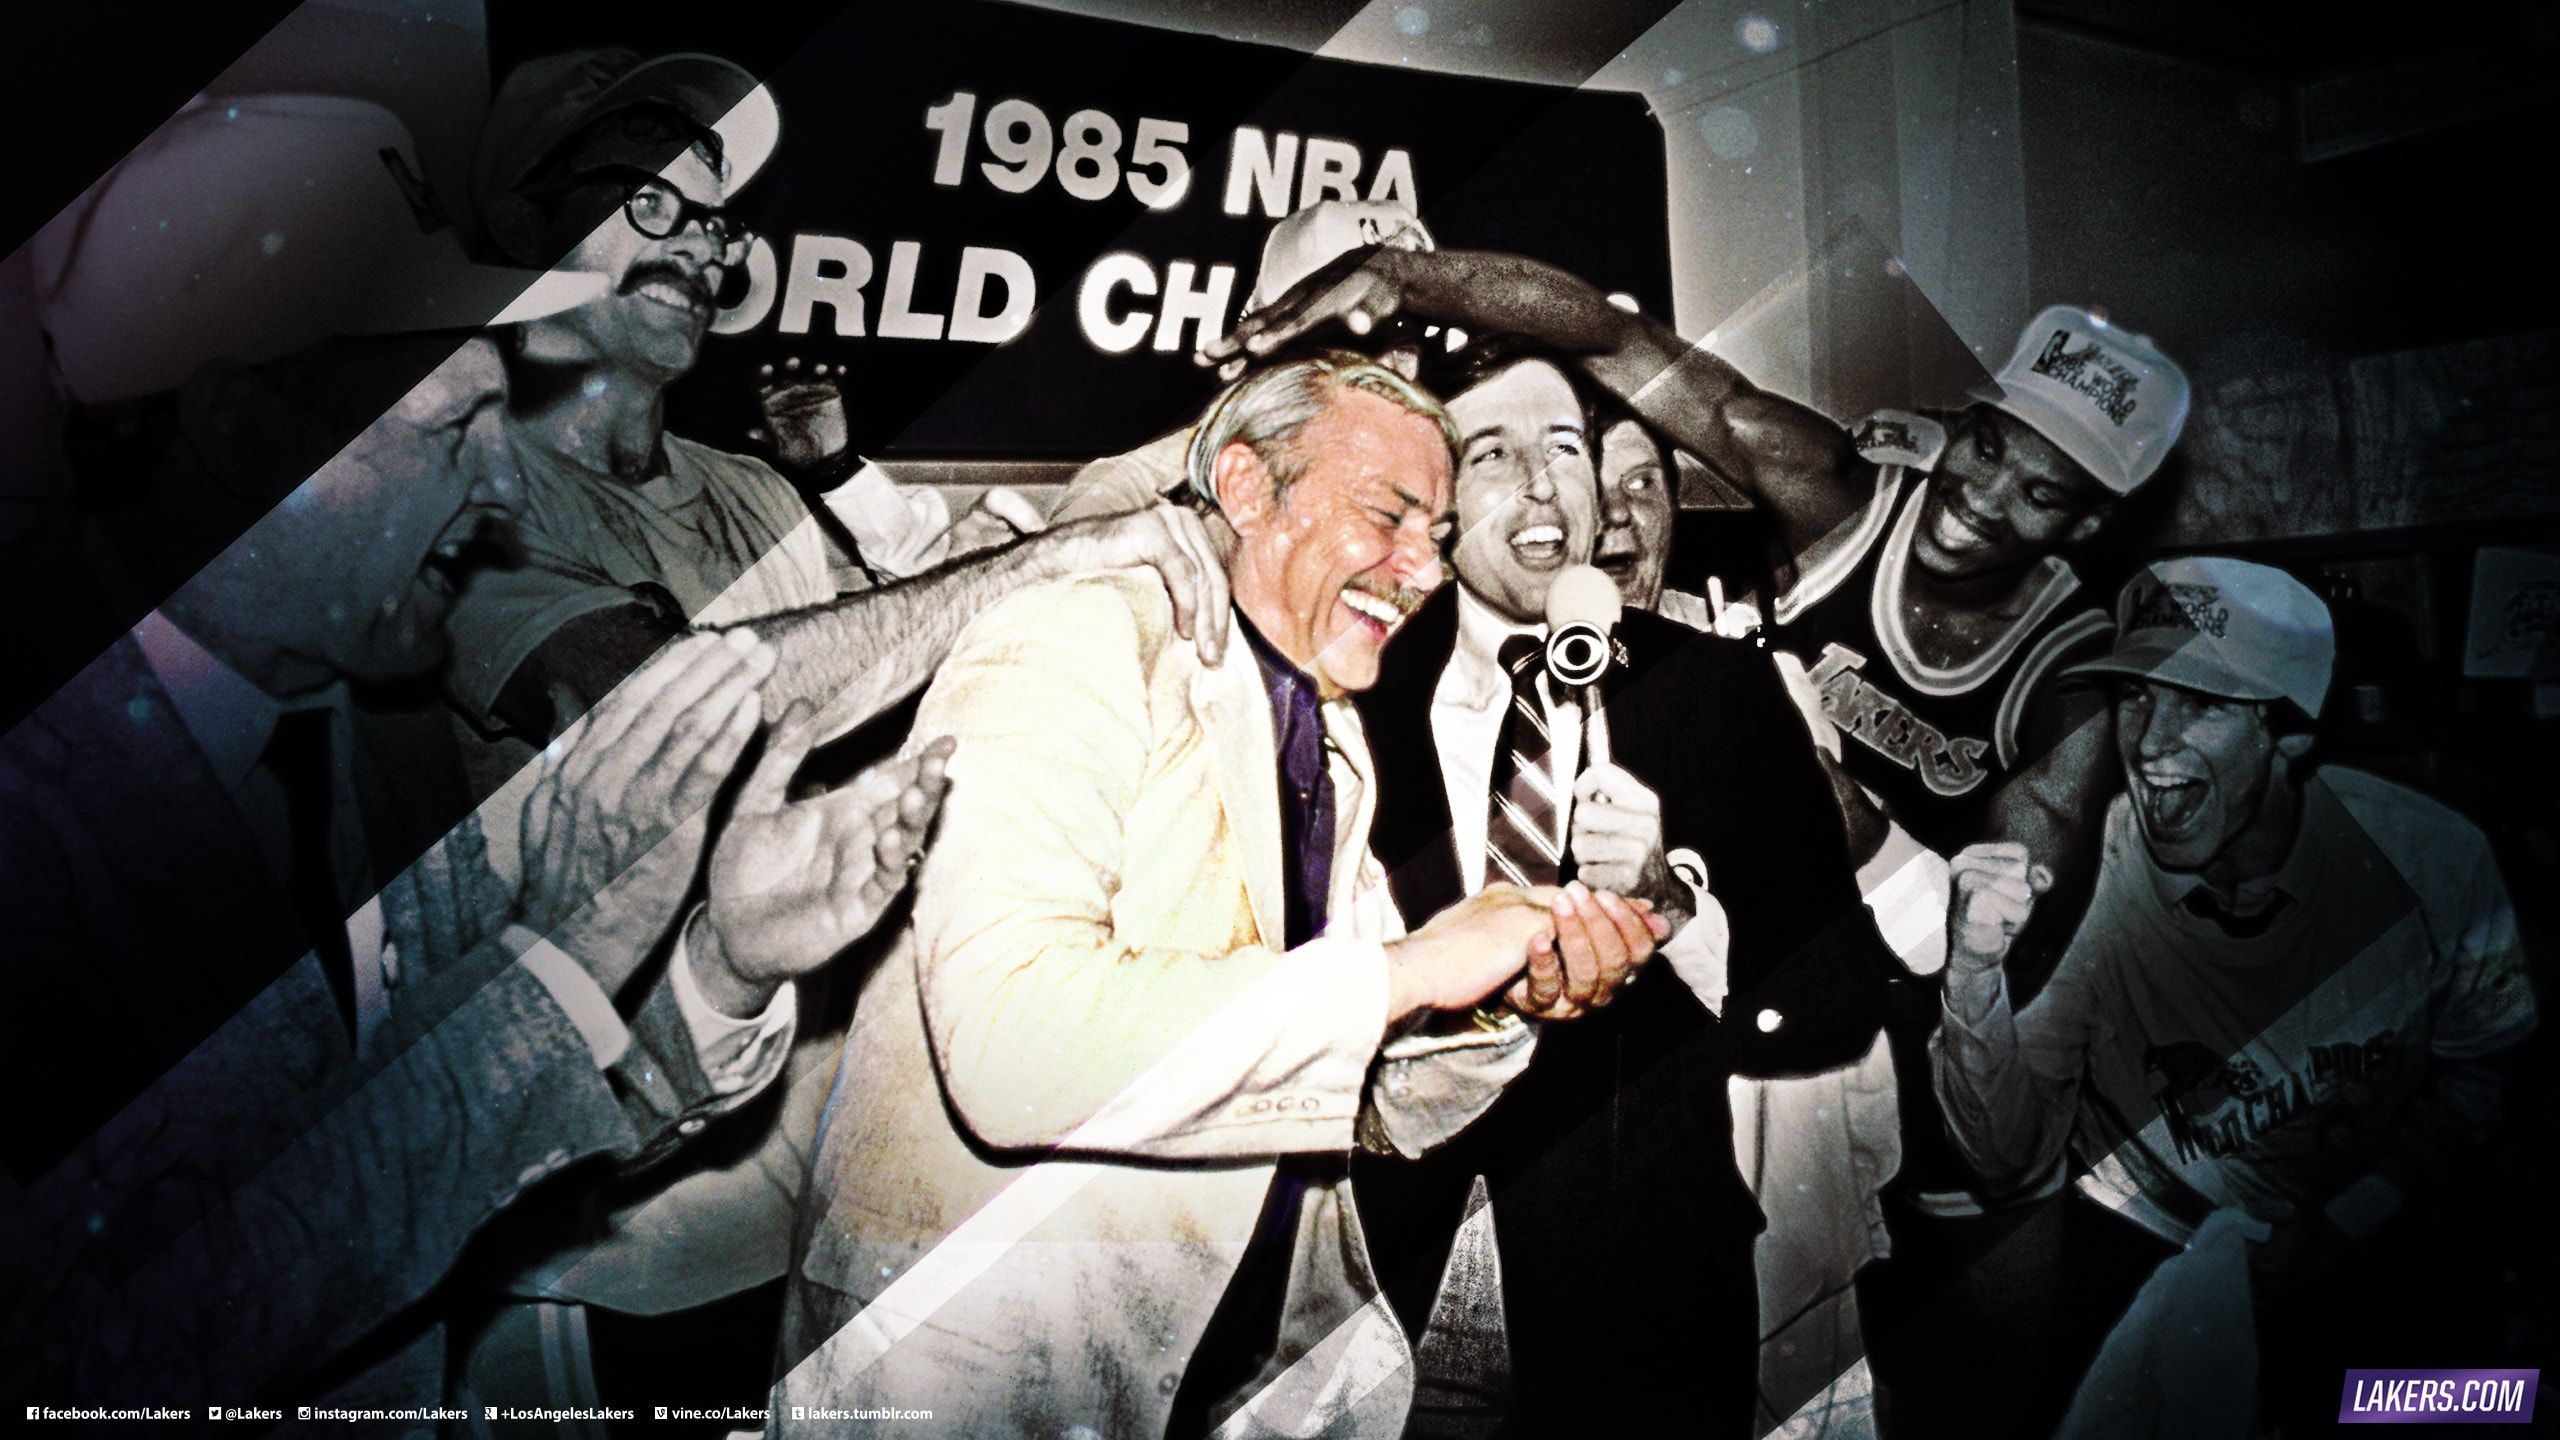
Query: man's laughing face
{"x":1333,"y":563}
{"x":2002,"y":498}
{"x":661,"y":302}
{"x":377,"y":543}
{"x":1635,"y":514}
{"x":2198,"y":769}
{"x":1528,"y":502}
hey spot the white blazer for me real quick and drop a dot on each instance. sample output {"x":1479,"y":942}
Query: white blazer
{"x":1066,"y":1088}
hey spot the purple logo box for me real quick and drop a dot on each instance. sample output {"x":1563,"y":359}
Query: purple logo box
{"x":2438,"y":1397}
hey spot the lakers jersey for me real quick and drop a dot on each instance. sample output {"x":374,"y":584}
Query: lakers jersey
{"x":1933,"y":743}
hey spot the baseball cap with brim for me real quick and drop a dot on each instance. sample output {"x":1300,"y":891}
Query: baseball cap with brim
{"x":1307,"y":240}
{"x":2223,"y":627}
{"x":2107,"y":396}
{"x":249,"y":227}
{"x":545,"y":103}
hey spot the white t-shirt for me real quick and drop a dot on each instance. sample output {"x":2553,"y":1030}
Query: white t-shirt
{"x":2266,"y":1071}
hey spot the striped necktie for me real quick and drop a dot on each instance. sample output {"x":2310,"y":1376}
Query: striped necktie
{"x":1520,"y":830}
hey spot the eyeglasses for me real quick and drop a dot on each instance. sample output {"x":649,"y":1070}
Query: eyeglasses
{"x":660,"y":211}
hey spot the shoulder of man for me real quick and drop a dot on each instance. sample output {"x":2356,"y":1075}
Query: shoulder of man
{"x":1061,"y":648}
{"x":107,"y":754}
{"x":1080,"y":614}
{"x":1653,"y":640}
{"x":1127,"y":482}
{"x":2074,"y":632}
{"x":1686,"y":608}
{"x":57,"y":736}
{"x":2417,"y":832}
{"x":1700,"y":699}
{"x":734,"y":472}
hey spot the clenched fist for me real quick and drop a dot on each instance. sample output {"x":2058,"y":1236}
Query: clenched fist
{"x":1995,"y":890}
{"x":1617,"y":840}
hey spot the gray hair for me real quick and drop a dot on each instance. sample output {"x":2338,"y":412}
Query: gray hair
{"x":1268,"y":409}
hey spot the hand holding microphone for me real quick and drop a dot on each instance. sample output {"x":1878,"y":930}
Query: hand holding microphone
{"x":1616,"y":830}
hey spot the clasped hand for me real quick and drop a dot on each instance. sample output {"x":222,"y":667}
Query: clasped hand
{"x":1551,"y":953}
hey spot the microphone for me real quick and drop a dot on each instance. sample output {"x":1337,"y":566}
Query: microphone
{"x":1582,"y":613}
{"x":1582,"y":617}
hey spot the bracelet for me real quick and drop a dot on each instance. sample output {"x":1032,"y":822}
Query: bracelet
{"x":826,"y":475}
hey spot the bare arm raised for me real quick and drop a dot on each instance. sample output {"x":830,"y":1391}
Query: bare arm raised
{"x":863,"y":653}
{"x":859,"y":654}
{"x":1790,"y":459}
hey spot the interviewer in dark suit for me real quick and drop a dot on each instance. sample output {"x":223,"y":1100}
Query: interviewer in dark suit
{"x":1624,"y":1231}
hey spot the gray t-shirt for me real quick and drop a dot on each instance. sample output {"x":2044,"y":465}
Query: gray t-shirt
{"x":723,"y":534}
{"x":2264,"y":1071}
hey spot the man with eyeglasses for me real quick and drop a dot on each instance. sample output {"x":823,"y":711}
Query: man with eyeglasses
{"x":597,"y":161}
{"x":602,"y":162}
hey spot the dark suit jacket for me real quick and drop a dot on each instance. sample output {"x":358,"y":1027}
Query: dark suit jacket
{"x":259,"y":1209}
{"x":1623,"y":1114}
{"x":120,"y":839}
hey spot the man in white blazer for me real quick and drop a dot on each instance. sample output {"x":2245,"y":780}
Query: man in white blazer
{"x":1083,"y":1169}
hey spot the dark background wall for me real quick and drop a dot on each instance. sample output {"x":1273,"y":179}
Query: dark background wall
{"x":2335,"y":217}
{"x":2331,"y":215}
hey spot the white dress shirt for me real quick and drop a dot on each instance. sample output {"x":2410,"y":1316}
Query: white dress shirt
{"x":902,"y":530}
{"x":1467,"y":711}
{"x":231,"y":721}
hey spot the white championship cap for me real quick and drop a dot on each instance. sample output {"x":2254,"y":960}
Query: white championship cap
{"x":251,"y":227}
{"x":2223,"y":627}
{"x":2106,"y":395}
{"x":1307,"y":240}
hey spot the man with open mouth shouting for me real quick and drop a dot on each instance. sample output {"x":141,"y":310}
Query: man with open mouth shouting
{"x":1624,"y":1231}
{"x":1932,"y":605}
{"x":630,"y":535}
{"x":269,"y":988}
{"x":1084,"y":1164}
{"x":2275,"y":1035}
{"x":628,"y":168}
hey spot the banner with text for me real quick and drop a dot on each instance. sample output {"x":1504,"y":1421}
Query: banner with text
{"x":1013,"y":235}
